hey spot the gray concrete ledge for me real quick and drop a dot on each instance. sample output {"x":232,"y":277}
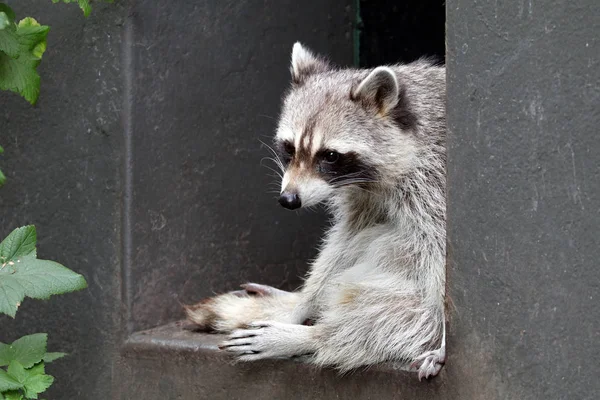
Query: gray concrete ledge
{"x":171,"y":362}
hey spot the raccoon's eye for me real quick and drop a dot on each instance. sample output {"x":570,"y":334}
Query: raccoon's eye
{"x":289,"y":149}
{"x":285,"y":151}
{"x":331,"y":156}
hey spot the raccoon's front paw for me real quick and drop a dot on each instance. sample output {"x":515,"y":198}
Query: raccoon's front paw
{"x":429,"y":364}
{"x":256,"y":342}
{"x":265,"y":339}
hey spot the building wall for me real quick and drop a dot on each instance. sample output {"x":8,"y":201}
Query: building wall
{"x":524,"y":197}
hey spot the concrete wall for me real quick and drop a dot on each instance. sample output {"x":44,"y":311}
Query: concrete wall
{"x":142,"y":164}
{"x":206,"y":84}
{"x":524,"y":198}
{"x":63,"y":162}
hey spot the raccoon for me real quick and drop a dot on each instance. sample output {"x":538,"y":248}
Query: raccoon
{"x":370,"y":145}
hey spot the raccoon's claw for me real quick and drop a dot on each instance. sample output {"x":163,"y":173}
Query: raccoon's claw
{"x":256,"y":289}
{"x":430,"y":363}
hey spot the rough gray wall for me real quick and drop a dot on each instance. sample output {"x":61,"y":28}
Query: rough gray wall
{"x":207,"y":81}
{"x":150,"y":119}
{"x":523,"y":198}
{"x":62,"y":160}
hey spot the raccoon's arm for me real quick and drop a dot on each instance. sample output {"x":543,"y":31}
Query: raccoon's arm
{"x":331,"y":261}
{"x":379,"y":319}
{"x":341,"y":250}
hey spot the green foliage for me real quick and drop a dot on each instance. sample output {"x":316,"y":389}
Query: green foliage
{"x":83,"y":4}
{"x":25,"y":375}
{"x":22,"y":45}
{"x":22,"y":274}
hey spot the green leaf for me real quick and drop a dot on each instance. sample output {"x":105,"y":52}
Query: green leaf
{"x":9,"y":40}
{"x":8,"y":11}
{"x":83,"y":4}
{"x":38,"y":279}
{"x":4,"y":20}
{"x":20,"y":77}
{"x":18,"y":72}
{"x":17,"y":372}
{"x":37,"y":384}
{"x":30,"y":349}
{"x":32,"y":36}
{"x":13,"y":396}
{"x":8,"y":383}
{"x":49,"y":357}
{"x":31,"y":380}
{"x":19,"y":243}
{"x":27,"y":351}
{"x":22,"y":274}
{"x":37,"y":369}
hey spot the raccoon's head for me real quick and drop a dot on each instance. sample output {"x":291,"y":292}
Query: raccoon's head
{"x":341,"y":129}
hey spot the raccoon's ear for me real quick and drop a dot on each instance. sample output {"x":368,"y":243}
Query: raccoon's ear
{"x":378,"y":91}
{"x":305,"y":63}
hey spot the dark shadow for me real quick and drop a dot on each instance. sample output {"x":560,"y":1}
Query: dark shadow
{"x":401,"y":31}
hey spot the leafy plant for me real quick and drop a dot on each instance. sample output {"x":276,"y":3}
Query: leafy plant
{"x":25,"y":375}
{"x":22,"y":45}
{"x":23,"y":274}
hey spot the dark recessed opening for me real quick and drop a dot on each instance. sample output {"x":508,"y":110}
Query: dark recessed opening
{"x":394,"y":31}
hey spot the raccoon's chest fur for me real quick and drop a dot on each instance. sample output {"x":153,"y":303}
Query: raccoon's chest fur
{"x":373,"y":249}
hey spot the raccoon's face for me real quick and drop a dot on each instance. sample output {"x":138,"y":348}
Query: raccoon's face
{"x":338,"y":129}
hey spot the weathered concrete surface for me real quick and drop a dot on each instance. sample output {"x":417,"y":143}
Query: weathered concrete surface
{"x":523,"y":198}
{"x":62,"y":160}
{"x":170,"y":363}
{"x":207,"y":81}
{"x":150,"y":119}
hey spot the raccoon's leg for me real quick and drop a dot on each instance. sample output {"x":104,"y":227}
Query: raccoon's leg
{"x":363,"y":325}
{"x":430,"y":363}
{"x":325,"y":268}
{"x":233,"y":310}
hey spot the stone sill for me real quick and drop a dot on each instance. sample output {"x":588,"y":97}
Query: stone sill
{"x":194,"y":367}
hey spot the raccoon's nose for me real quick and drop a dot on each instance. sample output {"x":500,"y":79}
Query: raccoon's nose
{"x":289,"y":200}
